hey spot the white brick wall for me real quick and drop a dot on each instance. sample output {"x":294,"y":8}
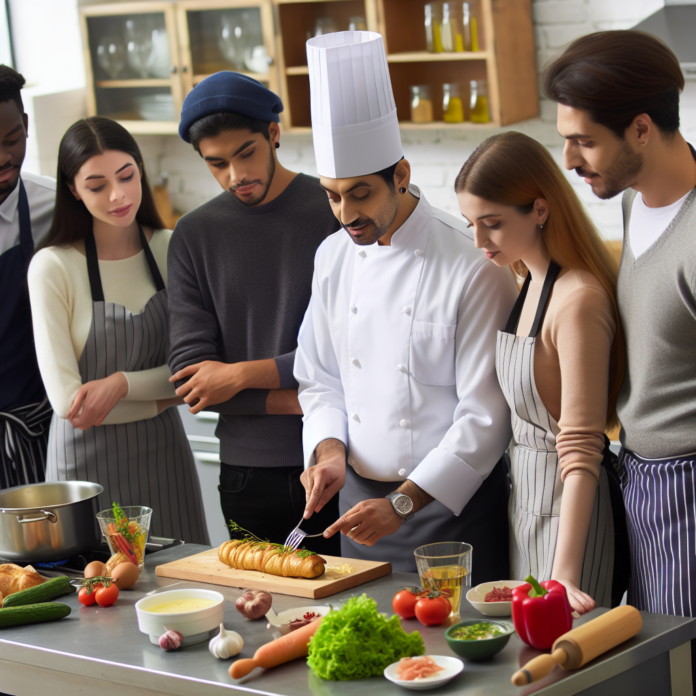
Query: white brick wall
{"x":437,"y":155}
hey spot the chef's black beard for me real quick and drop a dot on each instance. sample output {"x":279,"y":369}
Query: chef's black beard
{"x":381,"y":224}
{"x":270,"y":173}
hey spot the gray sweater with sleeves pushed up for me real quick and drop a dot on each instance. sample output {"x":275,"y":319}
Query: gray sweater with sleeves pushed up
{"x":657,"y":303}
{"x":239,"y":283}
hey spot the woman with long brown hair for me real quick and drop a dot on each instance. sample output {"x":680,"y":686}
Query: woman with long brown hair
{"x":559,"y":363}
{"x":99,"y":307}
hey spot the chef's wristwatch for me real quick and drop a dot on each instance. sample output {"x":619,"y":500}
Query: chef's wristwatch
{"x":402,"y":504}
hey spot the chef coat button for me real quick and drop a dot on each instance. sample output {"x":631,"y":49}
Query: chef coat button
{"x":353,"y":309}
{"x":404,"y":424}
{"x":402,"y":368}
{"x":356,"y":417}
{"x":418,"y":253}
{"x":362,"y":253}
{"x":355,"y":362}
{"x":402,"y":472}
{"x":406,"y":310}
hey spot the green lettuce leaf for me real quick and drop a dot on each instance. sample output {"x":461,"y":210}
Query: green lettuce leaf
{"x":357,"y":642}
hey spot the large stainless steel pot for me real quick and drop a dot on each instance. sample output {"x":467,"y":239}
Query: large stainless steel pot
{"x":46,"y":522}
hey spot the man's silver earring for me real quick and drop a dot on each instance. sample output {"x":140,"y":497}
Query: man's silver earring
{"x":541,"y":227}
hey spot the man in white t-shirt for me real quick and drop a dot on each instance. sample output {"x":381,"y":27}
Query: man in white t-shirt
{"x":26,"y":213}
{"x":618,"y":109}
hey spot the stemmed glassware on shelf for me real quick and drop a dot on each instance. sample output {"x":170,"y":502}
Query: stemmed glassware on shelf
{"x":111,"y":56}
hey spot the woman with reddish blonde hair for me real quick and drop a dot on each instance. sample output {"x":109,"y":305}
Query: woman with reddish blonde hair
{"x":559,"y":363}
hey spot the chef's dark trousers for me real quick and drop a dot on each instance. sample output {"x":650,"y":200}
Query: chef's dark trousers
{"x":270,"y":501}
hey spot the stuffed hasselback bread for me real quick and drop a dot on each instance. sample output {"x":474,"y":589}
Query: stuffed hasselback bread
{"x":271,"y":559}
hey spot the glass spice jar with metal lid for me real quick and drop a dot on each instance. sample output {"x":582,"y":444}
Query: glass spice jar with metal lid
{"x":479,"y":109}
{"x":433,"y":27}
{"x":452,"y":103}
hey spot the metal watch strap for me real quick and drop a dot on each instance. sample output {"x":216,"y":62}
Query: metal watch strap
{"x":391,"y":497}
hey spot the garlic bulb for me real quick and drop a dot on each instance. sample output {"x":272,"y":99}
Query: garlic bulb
{"x":170,"y":639}
{"x":226,"y":644}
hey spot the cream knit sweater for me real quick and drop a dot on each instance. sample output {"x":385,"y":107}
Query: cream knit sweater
{"x":61,"y":305}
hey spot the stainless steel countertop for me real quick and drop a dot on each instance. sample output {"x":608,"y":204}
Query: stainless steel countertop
{"x":106,"y":644}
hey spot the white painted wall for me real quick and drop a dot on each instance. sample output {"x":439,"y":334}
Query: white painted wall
{"x":48,"y":53}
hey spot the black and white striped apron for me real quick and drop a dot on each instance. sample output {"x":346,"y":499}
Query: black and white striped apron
{"x":25,"y":413}
{"x":147,"y":462}
{"x":537,"y":488}
{"x":660,"y":497}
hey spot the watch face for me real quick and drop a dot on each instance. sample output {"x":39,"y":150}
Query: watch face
{"x":403,"y":504}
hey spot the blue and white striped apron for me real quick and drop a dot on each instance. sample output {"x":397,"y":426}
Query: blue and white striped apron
{"x":660,"y":497}
{"x":537,"y":487}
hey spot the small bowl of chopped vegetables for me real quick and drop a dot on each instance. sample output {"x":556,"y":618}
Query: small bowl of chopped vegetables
{"x":493,"y":598}
{"x":478,"y":640}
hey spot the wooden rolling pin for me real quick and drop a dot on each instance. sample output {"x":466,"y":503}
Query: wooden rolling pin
{"x":577,"y":647}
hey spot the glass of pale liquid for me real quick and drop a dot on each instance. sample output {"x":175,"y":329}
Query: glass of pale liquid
{"x":446,"y":565}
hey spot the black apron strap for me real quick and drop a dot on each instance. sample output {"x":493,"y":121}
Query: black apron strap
{"x":551,"y":275}
{"x":154,"y":270}
{"x":514,"y":319}
{"x":95,"y":283}
{"x":26,"y":240}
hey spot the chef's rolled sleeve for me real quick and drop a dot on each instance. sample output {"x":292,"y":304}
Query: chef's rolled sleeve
{"x":325,"y":424}
{"x":442,"y":466}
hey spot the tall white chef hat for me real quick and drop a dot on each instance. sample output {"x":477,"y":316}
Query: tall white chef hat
{"x":354,"y":122}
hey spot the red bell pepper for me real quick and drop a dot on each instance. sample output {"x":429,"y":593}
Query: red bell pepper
{"x":541,"y":612}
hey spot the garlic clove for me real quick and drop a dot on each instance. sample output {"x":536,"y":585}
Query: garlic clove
{"x":226,"y":644}
{"x":170,"y":639}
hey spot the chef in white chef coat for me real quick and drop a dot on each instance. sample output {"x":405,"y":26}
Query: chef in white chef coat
{"x":396,"y":355}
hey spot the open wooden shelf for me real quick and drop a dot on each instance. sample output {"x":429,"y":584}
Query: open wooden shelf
{"x":506,"y":59}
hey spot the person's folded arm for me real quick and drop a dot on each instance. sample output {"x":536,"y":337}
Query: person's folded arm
{"x":453,"y":471}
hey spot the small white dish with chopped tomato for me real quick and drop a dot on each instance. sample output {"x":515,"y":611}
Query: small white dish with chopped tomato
{"x":449,"y":668}
{"x":490,"y":598}
{"x":291,"y":619}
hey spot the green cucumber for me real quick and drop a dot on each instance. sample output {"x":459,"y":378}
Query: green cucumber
{"x":41,"y":593}
{"x":33,"y":613}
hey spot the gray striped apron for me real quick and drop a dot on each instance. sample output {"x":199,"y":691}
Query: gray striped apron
{"x":147,"y":462}
{"x":537,"y":488}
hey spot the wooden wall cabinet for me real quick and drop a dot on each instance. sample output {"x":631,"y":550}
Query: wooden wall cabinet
{"x":266,"y":39}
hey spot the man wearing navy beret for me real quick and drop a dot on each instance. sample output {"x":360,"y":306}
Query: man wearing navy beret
{"x":240,"y":272}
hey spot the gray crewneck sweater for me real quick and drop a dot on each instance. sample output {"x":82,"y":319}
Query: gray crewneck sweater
{"x":239,"y":283}
{"x":657,"y":303}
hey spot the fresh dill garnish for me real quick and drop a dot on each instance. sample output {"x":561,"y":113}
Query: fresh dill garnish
{"x":246,"y":536}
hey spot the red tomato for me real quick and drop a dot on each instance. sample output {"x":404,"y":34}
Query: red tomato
{"x":404,"y":603}
{"x":106,"y":596}
{"x":432,"y":611}
{"x":87,"y":598}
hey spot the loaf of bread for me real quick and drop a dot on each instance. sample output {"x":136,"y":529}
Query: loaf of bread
{"x":14,"y":578}
{"x":271,"y":559}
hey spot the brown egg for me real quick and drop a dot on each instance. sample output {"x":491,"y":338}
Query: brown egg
{"x":93,"y":569}
{"x":125,"y":575}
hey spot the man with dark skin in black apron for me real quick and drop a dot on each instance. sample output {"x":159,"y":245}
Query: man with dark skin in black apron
{"x":26,"y":211}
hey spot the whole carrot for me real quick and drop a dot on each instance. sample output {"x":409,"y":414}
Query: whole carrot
{"x":284,"y":649}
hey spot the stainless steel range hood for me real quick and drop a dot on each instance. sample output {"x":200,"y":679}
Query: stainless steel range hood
{"x":675,"y":24}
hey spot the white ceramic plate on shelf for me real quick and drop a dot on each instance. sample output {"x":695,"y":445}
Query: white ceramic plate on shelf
{"x":477,"y":598}
{"x":452,"y":667}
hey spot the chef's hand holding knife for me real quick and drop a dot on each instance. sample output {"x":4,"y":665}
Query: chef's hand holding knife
{"x":369,"y":520}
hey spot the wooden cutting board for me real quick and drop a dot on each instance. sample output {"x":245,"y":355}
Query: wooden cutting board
{"x":206,"y":567}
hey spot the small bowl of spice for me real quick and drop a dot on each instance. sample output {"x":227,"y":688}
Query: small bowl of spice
{"x":493,"y":598}
{"x":478,"y":640}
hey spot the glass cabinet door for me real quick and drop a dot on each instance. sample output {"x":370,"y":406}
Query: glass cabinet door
{"x":132,"y":64}
{"x":221,"y":35}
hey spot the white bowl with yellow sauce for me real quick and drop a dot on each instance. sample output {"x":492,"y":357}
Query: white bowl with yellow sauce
{"x":194,"y":613}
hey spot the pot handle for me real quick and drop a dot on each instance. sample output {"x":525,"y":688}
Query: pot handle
{"x":47,"y":515}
